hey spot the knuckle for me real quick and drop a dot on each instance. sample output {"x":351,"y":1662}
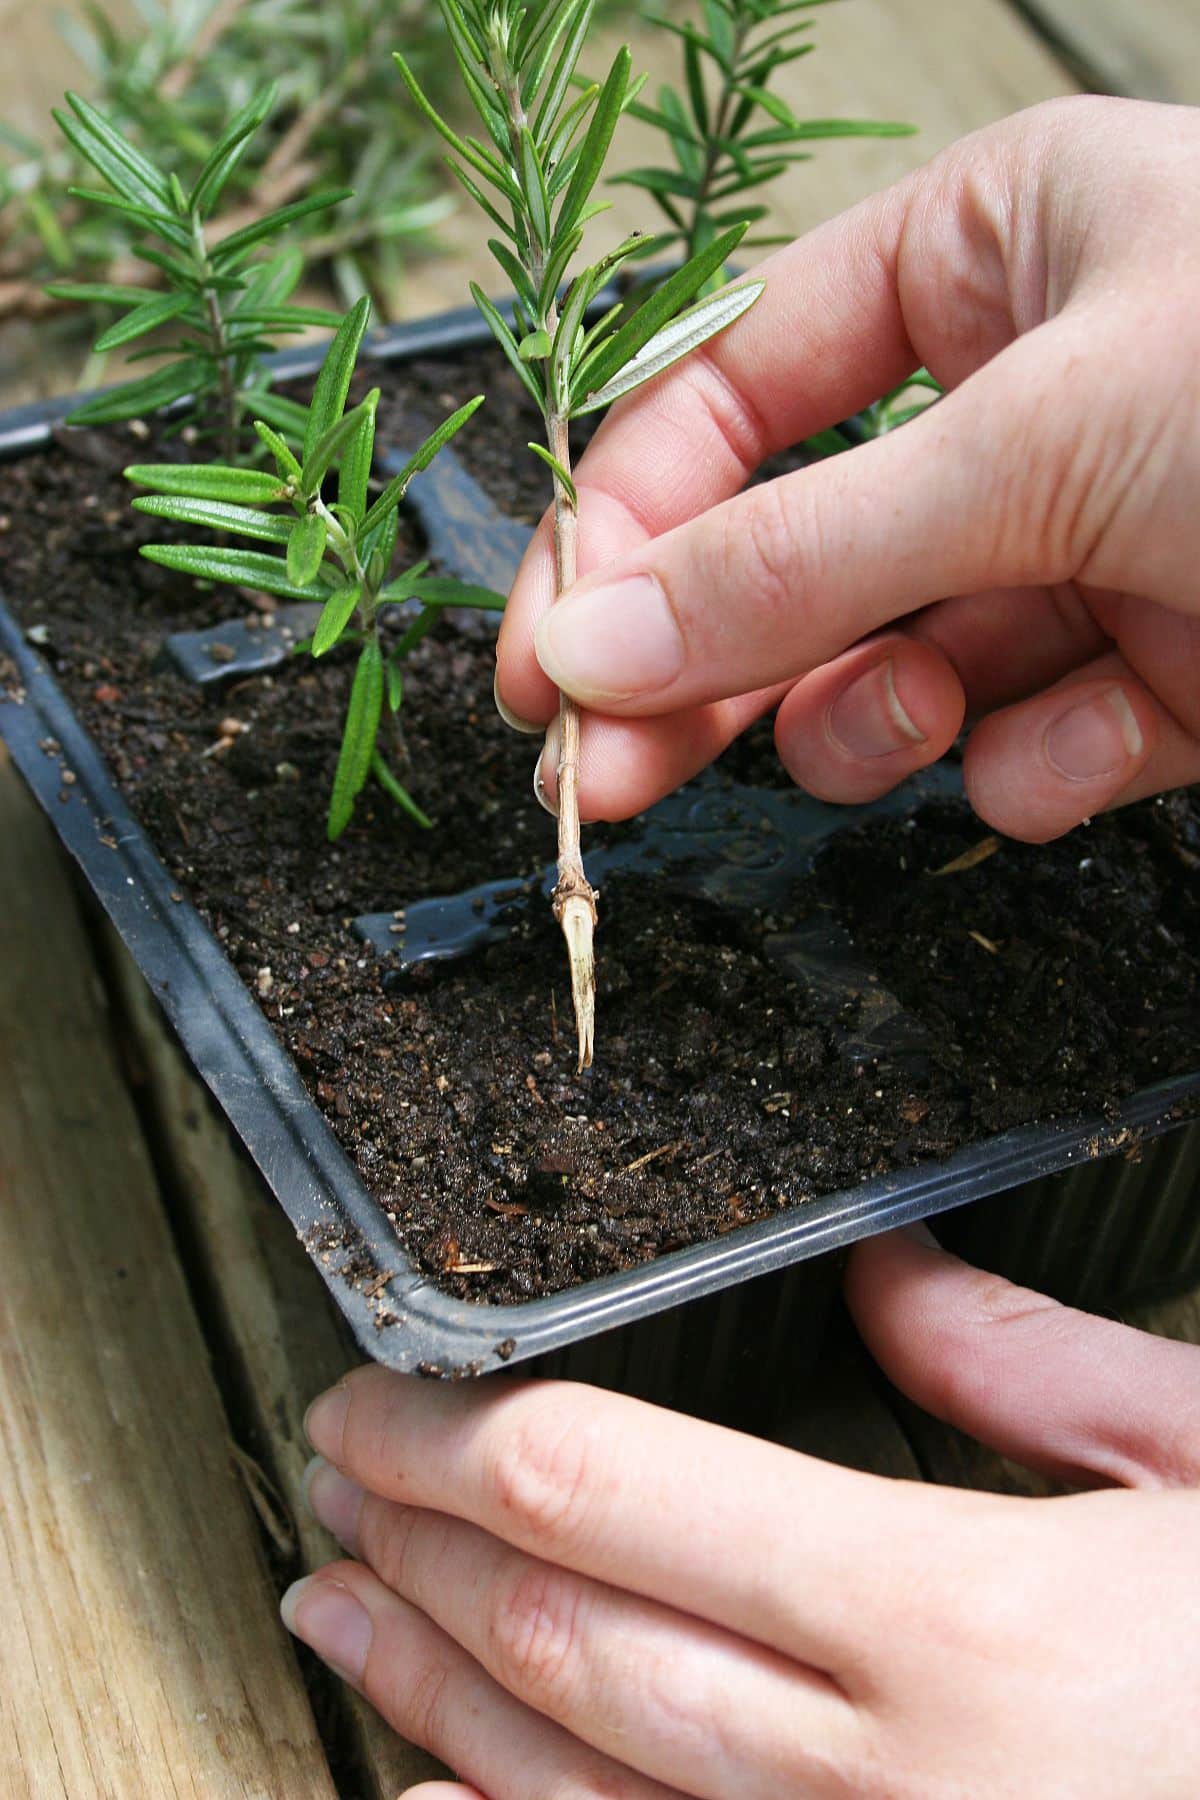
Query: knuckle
{"x":760,"y":548}
{"x":537,"y":1636}
{"x":733,"y":415}
{"x":385,"y":1536}
{"x":961,"y":1351}
{"x":424,"y":1710}
{"x":370,"y":1426}
{"x":540,"y":1476}
{"x":598,"y":1779}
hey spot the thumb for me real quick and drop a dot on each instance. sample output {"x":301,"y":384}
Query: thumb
{"x":784,"y":577}
{"x":1075,"y":1396}
{"x":441,"y":1790}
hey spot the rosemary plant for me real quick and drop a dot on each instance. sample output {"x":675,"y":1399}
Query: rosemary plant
{"x":543,"y":151}
{"x":728,"y":132}
{"x":227,"y":314}
{"x":169,"y":73}
{"x":337,"y":553}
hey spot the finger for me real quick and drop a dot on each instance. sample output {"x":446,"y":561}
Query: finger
{"x":590,"y":1481}
{"x":1007,"y":643}
{"x":442,"y":1790}
{"x":1098,"y":738}
{"x":826,"y":337}
{"x":438,"y":1697}
{"x":853,"y":729}
{"x":847,"y":312}
{"x":643,"y":1682}
{"x":1079,"y":1397}
{"x":625,"y":765}
{"x":786,"y":576}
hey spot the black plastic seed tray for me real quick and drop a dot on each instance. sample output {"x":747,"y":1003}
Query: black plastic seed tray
{"x":697,"y":1327}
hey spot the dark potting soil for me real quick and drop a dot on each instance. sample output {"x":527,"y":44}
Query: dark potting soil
{"x":1050,"y":980}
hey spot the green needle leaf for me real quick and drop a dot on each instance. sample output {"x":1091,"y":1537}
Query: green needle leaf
{"x":684,"y":334}
{"x":232,"y":248}
{"x":328,"y":448}
{"x":333,"y":383}
{"x":217,"y":515}
{"x":99,"y":293}
{"x":141,"y":399}
{"x":597,"y":141}
{"x":143,"y":319}
{"x":613,"y":353}
{"x":162,"y":224}
{"x":552,"y":462}
{"x":399,"y":794}
{"x":306,"y":549}
{"x":283,"y":414}
{"x":443,"y":590}
{"x":395,"y":490}
{"x":243,"y":568}
{"x":535,"y":347}
{"x":102,"y":145}
{"x":508,"y":344}
{"x":338,"y":612}
{"x":229,"y":150}
{"x":358,"y":740}
{"x":205,"y":481}
{"x":533,"y":183}
{"x":287,"y":464}
{"x":355,"y":471}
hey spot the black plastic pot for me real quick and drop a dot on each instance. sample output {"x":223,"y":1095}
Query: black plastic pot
{"x":722,"y":1328}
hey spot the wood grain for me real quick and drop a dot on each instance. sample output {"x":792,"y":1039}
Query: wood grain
{"x":280,"y":1340}
{"x":1151,"y":50}
{"x":142,"y":1654}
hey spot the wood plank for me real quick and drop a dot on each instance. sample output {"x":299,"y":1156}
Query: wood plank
{"x":280,"y":1338}
{"x":143,"y":1657}
{"x":1151,"y":50}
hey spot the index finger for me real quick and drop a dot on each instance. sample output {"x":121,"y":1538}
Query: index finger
{"x":826,"y":338}
{"x":646,"y":1500}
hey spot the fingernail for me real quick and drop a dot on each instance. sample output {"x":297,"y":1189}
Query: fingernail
{"x":511,"y":719}
{"x":1096,"y":737}
{"x":611,"y":641}
{"x":920,"y":1233}
{"x":325,"y":1421}
{"x":867,"y":718}
{"x":546,"y":761}
{"x":333,"y":1501}
{"x":326,"y":1616}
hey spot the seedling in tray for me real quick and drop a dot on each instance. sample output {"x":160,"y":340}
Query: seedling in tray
{"x":546,"y":144}
{"x":227,"y":310}
{"x":338,"y":553}
{"x":728,"y":130}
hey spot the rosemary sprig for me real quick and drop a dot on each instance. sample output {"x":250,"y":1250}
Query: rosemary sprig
{"x":533,"y":173}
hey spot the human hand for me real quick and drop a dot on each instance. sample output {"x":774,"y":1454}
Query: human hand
{"x":1024,"y":555}
{"x":564,"y":1593}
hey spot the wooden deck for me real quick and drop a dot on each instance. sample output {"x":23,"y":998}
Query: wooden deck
{"x":162,"y":1331}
